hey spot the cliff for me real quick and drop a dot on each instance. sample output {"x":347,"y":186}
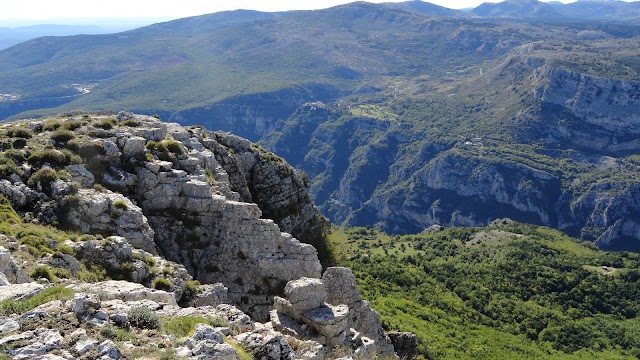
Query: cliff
{"x":161,"y":205}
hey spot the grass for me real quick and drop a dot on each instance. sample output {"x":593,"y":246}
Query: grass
{"x":243,"y":354}
{"x":10,"y":307}
{"x":185,"y":326}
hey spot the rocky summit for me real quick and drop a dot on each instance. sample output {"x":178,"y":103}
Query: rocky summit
{"x":120,"y":231}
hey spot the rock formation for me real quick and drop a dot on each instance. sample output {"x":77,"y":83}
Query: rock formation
{"x":154,"y":206}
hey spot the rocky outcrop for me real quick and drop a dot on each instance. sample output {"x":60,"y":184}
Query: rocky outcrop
{"x":331,"y":312}
{"x":161,"y":206}
{"x":13,"y":273}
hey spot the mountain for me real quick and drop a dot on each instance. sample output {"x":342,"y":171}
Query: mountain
{"x":427,"y":8}
{"x":19,"y":32}
{"x":523,"y":9}
{"x":400,"y":120}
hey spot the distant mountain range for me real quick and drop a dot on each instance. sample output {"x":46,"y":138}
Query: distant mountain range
{"x":403,"y":115}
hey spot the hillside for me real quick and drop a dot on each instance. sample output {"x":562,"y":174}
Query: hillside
{"x":507,"y":291}
{"x":121,"y":231}
{"x":401,"y":116}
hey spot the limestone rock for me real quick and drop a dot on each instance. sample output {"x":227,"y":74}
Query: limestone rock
{"x":113,"y":214}
{"x":212,"y":295}
{"x":10,"y":268}
{"x":405,"y":344}
{"x":85,"y":305}
{"x":8,"y":325}
{"x":109,"y":349}
{"x":127,"y":291}
{"x":331,"y":322}
{"x":85,"y":345}
{"x":305,"y":293}
{"x":42,"y":341}
{"x":20,"y":291}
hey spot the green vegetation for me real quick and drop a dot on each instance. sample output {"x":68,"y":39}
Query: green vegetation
{"x":143,"y":318}
{"x":63,"y":136}
{"x":185,"y":326}
{"x":242,"y":352}
{"x":43,"y":271}
{"x":120,"y":204}
{"x":513,"y":291}
{"x":162,"y":284}
{"x":50,"y":294}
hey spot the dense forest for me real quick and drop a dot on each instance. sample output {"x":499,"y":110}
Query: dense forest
{"x":508,"y":291}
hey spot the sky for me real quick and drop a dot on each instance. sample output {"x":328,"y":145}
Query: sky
{"x":20,"y":10}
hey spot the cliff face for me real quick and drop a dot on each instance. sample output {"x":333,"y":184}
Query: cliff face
{"x":593,"y":113}
{"x":560,"y":154}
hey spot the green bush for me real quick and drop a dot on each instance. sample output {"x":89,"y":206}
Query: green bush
{"x":42,"y":272}
{"x":7,"y":213}
{"x":65,"y":249}
{"x":162,"y":284}
{"x":156,"y":146}
{"x":15,"y":155}
{"x":19,"y":143}
{"x":91,"y":274}
{"x":61,"y":273}
{"x":105,"y":124}
{"x":149,"y":260}
{"x":119,"y":204}
{"x":45,"y":177}
{"x":19,"y":133}
{"x":192,"y":286}
{"x":71,"y":125}
{"x":174,"y":146}
{"x":53,"y":157}
{"x":51,"y":125}
{"x":63,"y":136}
{"x":143,"y":318}
{"x":130,"y":123}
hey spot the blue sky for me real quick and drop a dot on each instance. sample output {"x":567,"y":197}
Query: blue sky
{"x":57,"y":9}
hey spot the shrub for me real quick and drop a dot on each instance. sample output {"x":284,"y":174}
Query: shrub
{"x":7,"y":213}
{"x":105,"y":124}
{"x":174,"y":146}
{"x":162,"y":284}
{"x":15,"y":155}
{"x":143,"y":318}
{"x":156,"y":146}
{"x":19,"y":143}
{"x":51,"y":125}
{"x":90,"y":150}
{"x":19,"y":133}
{"x":130,"y":123}
{"x":92,"y":274}
{"x":65,"y":249}
{"x":113,"y":333}
{"x":61,"y":273}
{"x":42,"y":272}
{"x":192,"y":286}
{"x":43,"y":176}
{"x":120,"y":204}
{"x":50,"y":156}
{"x":149,"y":260}
{"x":63,"y":136}
{"x":72,"y":125}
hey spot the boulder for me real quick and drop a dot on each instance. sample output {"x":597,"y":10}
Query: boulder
{"x":41,"y":342}
{"x":306,"y":293}
{"x":10,"y":268}
{"x":85,"y":305}
{"x":108,"y":349}
{"x":20,"y":291}
{"x":127,"y":291}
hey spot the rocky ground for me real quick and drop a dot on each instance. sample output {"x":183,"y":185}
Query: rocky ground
{"x":126,"y":237}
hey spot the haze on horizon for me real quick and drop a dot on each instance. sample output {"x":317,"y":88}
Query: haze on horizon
{"x":39,"y":11}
